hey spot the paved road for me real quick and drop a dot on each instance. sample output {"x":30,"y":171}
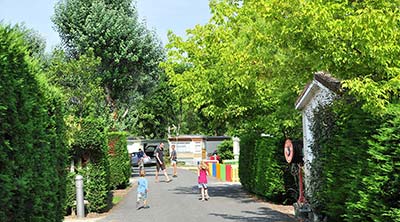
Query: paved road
{"x":177,"y":201}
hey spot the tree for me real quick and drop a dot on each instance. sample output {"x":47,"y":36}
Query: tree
{"x":77,"y":78}
{"x":86,"y":121}
{"x":234,"y":79}
{"x":249,"y":63}
{"x":36,"y":43}
{"x":129,"y":52}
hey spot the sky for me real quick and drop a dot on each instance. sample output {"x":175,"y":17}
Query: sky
{"x":159,"y":15}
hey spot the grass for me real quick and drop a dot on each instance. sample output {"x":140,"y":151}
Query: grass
{"x":116,"y":200}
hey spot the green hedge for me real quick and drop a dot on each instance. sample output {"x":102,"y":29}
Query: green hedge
{"x":120,"y":167}
{"x":263,"y":170}
{"x":89,"y":151}
{"x":357,"y":162}
{"x":32,"y":141}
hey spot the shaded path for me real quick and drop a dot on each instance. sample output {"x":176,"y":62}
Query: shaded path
{"x":178,"y":202}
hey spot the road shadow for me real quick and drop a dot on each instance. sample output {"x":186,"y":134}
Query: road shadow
{"x":264,"y":214}
{"x":236,"y":192}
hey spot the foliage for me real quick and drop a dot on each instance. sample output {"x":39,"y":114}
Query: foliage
{"x":227,"y":81}
{"x":97,"y":186}
{"x":225,"y":150}
{"x":263,"y":169}
{"x":246,"y":66}
{"x":129,"y":52}
{"x":345,"y":186}
{"x":35,"y":42}
{"x":76,"y":77}
{"x":32,"y":136}
{"x":90,"y":153}
{"x":120,"y":167}
{"x":156,"y":113}
{"x":70,"y":194}
{"x":381,"y":200}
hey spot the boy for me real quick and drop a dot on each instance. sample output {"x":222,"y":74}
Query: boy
{"x":142,"y":191}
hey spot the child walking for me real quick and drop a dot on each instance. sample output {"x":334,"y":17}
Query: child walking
{"x":202,"y":173}
{"x":142,"y":190}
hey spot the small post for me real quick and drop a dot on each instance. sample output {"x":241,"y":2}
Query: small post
{"x":80,"y":205}
{"x":236,"y":147}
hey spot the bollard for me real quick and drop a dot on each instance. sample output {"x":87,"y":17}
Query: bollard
{"x":80,"y":205}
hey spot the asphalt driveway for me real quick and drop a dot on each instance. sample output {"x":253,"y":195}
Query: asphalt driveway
{"x":178,"y":201}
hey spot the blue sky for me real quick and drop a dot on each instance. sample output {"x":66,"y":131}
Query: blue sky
{"x":160,"y":15}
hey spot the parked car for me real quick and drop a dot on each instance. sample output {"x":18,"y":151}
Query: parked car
{"x":149,"y":151}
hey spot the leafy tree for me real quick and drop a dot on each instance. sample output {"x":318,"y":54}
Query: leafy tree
{"x":129,"y":52}
{"x":230,"y":82}
{"x":77,"y":77}
{"x":157,"y":112}
{"x":86,"y":119}
{"x":248,"y":64}
{"x":36,"y":43}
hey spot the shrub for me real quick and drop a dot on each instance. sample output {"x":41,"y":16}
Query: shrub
{"x":120,"y":168}
{"x":225,"y":150}
{"x":354,"y":175}
{"x":90,"y":153}
{"x":32,"y":137}
{"x":263,"y":169}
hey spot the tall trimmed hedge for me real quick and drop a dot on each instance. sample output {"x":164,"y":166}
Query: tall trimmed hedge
{"x":263,"y":169}
{"x":32,"y":137}
{"x":120,"y":167}
{"x":89,"y":150}
{"x":356,"y":166}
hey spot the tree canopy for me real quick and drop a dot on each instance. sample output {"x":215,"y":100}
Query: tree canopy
{"x":246,"y":67}
{"x":252,"y":59}
{"x":129,"y":52}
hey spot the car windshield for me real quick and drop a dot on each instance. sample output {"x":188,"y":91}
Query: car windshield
{"x":149,"y":150}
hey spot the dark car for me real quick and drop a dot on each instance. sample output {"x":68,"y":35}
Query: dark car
{"x":149,"y":151}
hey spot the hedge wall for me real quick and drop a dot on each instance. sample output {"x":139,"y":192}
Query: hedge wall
{"x":120,"y":167}
{"x":263,"y":169}
{"x":32,"y":154}
{"x":89,"y":151}
{"x":357,"y":157}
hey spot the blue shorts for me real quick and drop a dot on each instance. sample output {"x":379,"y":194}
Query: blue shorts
{"x":202,"y":185}
{"x":141,"y":196}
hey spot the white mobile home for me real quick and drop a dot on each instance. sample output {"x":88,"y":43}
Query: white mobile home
{"x":193,"y":148}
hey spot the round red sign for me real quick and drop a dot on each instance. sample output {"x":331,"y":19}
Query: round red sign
{"x":288,"y":150}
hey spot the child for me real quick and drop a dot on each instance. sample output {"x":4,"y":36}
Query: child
{"x":202,"y":173}
{"x":173,"y":159}
{"x":142,"y":191}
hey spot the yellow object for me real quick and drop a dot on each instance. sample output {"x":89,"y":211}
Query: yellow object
{"x":218,"y":171}
{"x":235,"y":173}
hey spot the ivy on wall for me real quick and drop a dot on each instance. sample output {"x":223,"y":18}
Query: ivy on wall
{"x":355,"y":172}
